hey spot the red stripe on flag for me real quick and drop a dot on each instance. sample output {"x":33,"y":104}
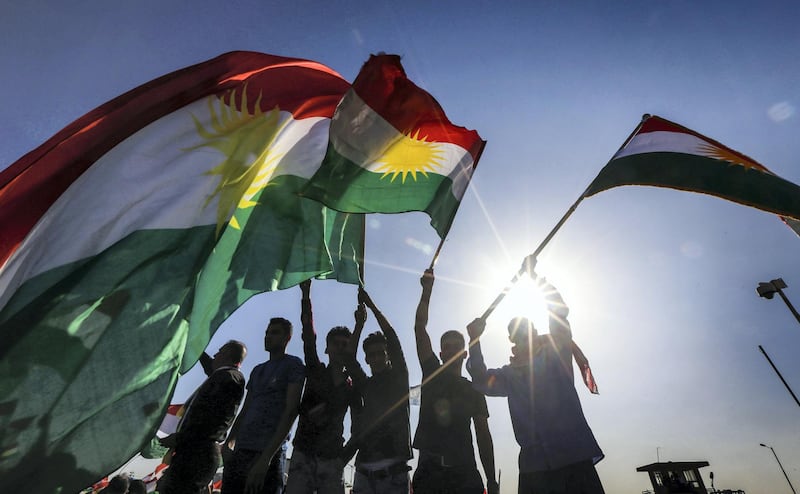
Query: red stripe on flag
{"x":30,"y":186}
{"x":382,"y":84}
{"x":658,"y":124}
{"x":655,"y":123}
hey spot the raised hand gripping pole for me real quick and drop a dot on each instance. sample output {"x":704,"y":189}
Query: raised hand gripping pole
{"x":530,"y":261}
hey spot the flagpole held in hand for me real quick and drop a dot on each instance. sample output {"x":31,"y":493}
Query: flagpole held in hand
{"x":530,"y":262}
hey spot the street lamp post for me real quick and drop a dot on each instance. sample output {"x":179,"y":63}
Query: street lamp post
{"x":768,"y":289}
{"x":788,"y":388}
{"x":780,"y":465}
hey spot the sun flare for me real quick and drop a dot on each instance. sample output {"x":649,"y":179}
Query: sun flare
{"x":525,"y":299}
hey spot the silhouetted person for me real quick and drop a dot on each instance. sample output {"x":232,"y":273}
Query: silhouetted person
{"x":316,"y":464}
{"x":117,"y":485}
{"x":137,"y":486}
{"x":270,"y":408}
{"x":448,"y":404}
{"x":558,"y":450}
{"x":381,"y":432}
{"x":209,"y":413}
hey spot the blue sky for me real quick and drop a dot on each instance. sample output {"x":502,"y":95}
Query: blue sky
{"x":661,"y":283}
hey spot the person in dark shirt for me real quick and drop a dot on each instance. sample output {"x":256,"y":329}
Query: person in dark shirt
{"x":558,"y":450}
{"x":381,"y":431}
{"x":209,"y":413}
{"x":260,"y":431}
{"x":447,"y":406}
{"x":316,"y":464}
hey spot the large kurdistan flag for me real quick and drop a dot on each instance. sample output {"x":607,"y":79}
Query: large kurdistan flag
{"x":664,"y":154}
{"x":128,"y":237}
{"x":393,"y":149}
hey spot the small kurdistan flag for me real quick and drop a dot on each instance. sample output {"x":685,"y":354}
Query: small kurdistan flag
{"x":132,"y":234}
{"x":664,"y":154}
{"x":392,"y":149}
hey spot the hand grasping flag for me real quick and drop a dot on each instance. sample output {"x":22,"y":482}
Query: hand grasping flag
{"x":661,"y":153}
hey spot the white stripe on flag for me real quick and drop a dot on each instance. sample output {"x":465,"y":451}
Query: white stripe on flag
{"x":664,"y":142}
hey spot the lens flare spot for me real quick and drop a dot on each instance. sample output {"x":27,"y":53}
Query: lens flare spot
{"x":423,"y":247}
{"x":781,"y":111}
{"x":691,"y":249}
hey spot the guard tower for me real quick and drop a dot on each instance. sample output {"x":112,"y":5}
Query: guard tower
{"x":676,"y":477}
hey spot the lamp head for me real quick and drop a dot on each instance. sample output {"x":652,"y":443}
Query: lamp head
{"x":766,"y":290}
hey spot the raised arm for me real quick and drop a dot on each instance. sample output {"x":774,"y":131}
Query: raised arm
{"x":491,"y":382}
{"x":486,"y":451}
{"x":360,"y":316}
{"x":207,"y":363}
{"x":359,"y":378}
{"x":353,"y":368}
{"x":392,"y":341}
{"x":475,"y":364}
{"x":307,"y":320}
{"x":558,"y":310}
{"x":424,"y":348}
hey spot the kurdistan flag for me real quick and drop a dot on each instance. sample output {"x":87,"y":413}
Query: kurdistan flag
{"x":664,"y":154}
{"x":392,"y":149}
{"x":128,"y":237}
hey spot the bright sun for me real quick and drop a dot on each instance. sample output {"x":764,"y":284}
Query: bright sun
{"x":526,"y":300}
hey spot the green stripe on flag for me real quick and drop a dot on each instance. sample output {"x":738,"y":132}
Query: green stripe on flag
{"x":100,"y":345}
{"x":392,"y":149}
{"x":702,"y":174}
{"x":142,"y":245}
{"x":284,"y":239}
{"x":346,"y":186}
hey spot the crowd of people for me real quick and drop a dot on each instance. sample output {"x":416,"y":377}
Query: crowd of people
{"x":557,"y":448}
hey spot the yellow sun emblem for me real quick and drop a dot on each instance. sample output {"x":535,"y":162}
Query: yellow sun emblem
{"x":410,"y":155}
{"x":730,"y":156}
{"x":246,"y":140}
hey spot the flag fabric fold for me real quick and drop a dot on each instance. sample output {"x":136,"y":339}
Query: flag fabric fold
{"x":128,"y":237}
{"x":664,"y":154}
{"x":392,"y":149}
